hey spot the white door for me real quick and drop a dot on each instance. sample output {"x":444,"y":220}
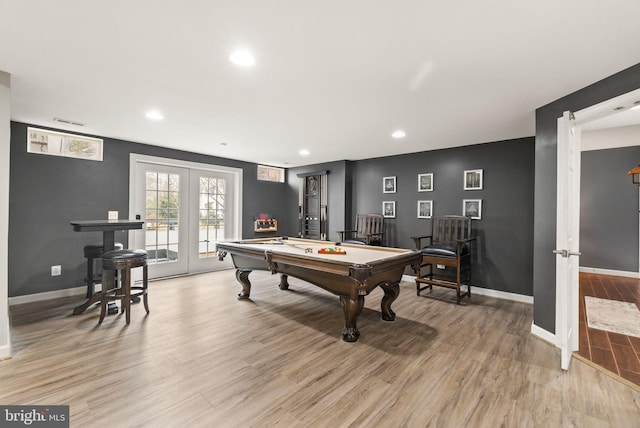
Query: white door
{"x":162,"y":201}
{"x":212,"y":211}
{"x":187,"y":208}
{"x":567,"y":237}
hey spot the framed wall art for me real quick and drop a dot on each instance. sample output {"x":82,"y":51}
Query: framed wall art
{"x":389,"y":184}
{"x":425,"y":182}
{"x":472,"y":208}
{"x":425,"y":208}
{"x":389,"y":209}
{"x":473,"y":179}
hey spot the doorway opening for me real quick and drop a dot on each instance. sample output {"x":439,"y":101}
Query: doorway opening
{"x":567,"y":285}
{"x":187,"y":208}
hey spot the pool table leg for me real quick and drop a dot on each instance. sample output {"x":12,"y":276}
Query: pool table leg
{"x":284,"y":284}
{"x":391,"y":292}
{"x":243,"y":278}
{"x":352,"y":309}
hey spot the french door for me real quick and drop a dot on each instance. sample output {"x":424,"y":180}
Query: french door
{"x":187,"y":208}
{"x":163,"y":204}
{"x":211,"y":216}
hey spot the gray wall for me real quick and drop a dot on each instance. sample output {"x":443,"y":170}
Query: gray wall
{"x":609,"y":210}
{"x":504,"y":254}
{"x":337,"y":209}
{"x":46,"y":192}
{"x":544,"y":262}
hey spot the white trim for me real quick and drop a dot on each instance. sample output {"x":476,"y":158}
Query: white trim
{"x":505,"y":295}
{"x":606,"y":108}
{"x":502,"y":295}
{"x":5,"y":137}
{"x":543,"y":334}
{"x":5,"y":352}
{"x":136,"y":157}
{"x":48,"y":295}
{"x":611,"y":272}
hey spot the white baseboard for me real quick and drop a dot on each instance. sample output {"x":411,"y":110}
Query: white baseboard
{"x":17,"y":300}
{"x":502,"y":295}
{"x":626,"y":274}
{"x":543,"y":334}
{"x":5,"y":352}
{"x":489,"y":292}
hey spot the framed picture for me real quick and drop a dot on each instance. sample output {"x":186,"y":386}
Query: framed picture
{"x":473,"y":179}
{"x":389,"y":209}
{"x":425,"y":208}
{"x":472,"y":208}
{"x":425,"y":182}
{"x":389,"y":184}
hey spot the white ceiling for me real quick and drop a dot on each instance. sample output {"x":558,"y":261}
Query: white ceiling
{"x":334,"y":77}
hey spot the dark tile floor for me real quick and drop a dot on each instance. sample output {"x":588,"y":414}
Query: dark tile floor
{"x":617,"y":353}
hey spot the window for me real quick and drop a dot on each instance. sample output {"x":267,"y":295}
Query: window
{"x":162,"y":216}
{"x":60,"y":144}
{"x":211,"y":215}
{"x":270,"y":173}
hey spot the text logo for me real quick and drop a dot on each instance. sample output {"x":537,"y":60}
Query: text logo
{"x":34,"y":416}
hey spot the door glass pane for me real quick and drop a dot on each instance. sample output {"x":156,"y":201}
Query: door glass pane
{"x":211,"y":215}
{"x":163,"y":216}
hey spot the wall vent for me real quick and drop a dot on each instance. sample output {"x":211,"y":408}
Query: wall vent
{"x":69,"y":122}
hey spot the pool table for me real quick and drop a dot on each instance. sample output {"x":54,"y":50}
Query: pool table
{"x":350,"y":276}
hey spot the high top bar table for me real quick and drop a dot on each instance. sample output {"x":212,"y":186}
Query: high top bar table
{"x":108,"y":229}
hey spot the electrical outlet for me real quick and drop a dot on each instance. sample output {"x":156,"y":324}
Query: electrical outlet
{"x":112,"y":215}
{"x":440,"y":266}
{"x":56,"y":270}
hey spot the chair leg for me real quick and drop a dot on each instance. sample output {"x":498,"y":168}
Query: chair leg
{"x":126,"y":299}
{"x":103,"y":307}
{"x":145,"y":280}
{"x":458,"y":279}
{"x":89,"y":277}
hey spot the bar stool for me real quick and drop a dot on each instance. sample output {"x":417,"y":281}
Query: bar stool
{"x":91,"y":253}
{"x":124,"y":261}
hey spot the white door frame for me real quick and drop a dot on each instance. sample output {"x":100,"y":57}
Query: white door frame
{"x":567,"y":292}
{"x":136,"y":237}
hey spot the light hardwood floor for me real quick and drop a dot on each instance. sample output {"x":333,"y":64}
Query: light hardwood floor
{"x":201,"y":358}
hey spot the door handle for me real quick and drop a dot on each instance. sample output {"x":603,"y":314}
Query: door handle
{"x":567,"y":253}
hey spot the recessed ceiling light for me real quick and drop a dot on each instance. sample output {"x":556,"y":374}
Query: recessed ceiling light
{"x":223,"y":144}
{"x":242,"y":58}
{"x":636,"y":105}
{"x":154,"y":115}
{"x":304,"y":152}
{"x":399,"y":134}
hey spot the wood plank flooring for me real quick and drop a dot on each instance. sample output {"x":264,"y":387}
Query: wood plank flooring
{"x":618,"y":353}
{"x":202,"y":358}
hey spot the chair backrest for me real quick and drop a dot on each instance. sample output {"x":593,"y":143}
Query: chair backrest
{"x":450,"y":228}
{"x":369,"y":223}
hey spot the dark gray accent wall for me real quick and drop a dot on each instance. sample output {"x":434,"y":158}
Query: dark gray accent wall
{"x":544,"y":262}
{"x":46,"y":192}
{"x":609,"y":210}
{"x":337,"y":177}
{"x":503,"y":257}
